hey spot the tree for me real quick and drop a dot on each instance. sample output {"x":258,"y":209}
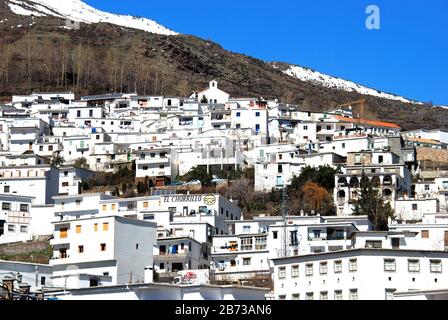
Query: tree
{"x":371,"y":203}
{"x":201,"y":174}
{"x":81,"y":162}
{"x":314,"y":197}
{"x":204,"y":99}
{"x":323,"y":176}
{"x":57,"y":161}
{"x":142,"y":188}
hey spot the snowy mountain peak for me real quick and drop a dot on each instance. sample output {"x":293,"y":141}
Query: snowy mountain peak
{"x":77,"y":10}
{"x":309,"y":75}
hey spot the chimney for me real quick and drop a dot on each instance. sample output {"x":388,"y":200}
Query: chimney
{"x":149,"y":274}
{"x":8,"y":284}
{"x":24,"y":288}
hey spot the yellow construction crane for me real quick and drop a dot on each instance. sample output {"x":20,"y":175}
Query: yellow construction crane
{"x":361,"y":102}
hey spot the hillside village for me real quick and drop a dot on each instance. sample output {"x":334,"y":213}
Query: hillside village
{"x":218,"y":197}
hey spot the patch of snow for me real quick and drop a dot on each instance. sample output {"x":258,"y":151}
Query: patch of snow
{"x":77,"y":10}
{"x":309,"y":75}
{"x":22,"y":11}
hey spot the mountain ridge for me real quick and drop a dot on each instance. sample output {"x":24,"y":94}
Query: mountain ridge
{"x":103,"y":57}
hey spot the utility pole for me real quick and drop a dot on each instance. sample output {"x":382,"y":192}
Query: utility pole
{"x":284,"y":216}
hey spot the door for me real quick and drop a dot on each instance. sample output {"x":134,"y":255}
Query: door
{"x":446,"y":240}
{"x":162,"y":250}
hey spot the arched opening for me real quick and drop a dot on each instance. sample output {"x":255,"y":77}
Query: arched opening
{"x":354,"y":182}
{"x":387,"y":181}
{"x":342,"y":182}
{"x":387,"y":193}
{"x":341,"y":194}
{"x":376,"y":181}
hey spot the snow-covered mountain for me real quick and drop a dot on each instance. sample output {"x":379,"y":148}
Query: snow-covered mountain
{"x":77,"y":10}
{"x":306,"y":74}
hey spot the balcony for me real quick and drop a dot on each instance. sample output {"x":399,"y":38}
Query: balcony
{"x":170,"y":257}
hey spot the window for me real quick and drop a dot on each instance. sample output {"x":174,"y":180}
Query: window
{"x":343,"y":146}
{"x":282,"y":272}
{"x":23,"y":208}
{"x":233,"y":263}
{"x":257,"y":114}
{"x":295,"y":296}
{"x":162,"y":166}
{"x":293,"y":238}
{"x":374,"y":244}
{"x":380,"y":159}
{"x":246,"y":229}
{"x":238,"y":114}
{"x":260,"y":243}
{"x":63,"y":233}
{"x":95,"y":227}
{"x":338,"y":266}
{"x":425,"y":234}
{"x":114,"y":206}
{"x":309,"y":296}
{"x":78,"y":113}
{"x":427,"y":187}
{"x":6,"y":189}
{"x":257,"y":128}
{"x":309,"y":270}
{"x":11,"y":228}
{"x":43,"y":281}
{"x":246,"y":261}
{"x":305,"y":128}
{"x":282,"y":297}
{"x":389,"y":265}
{"x":104,"y":207}
{"x":328,"y":127}
{"x":338,"y":295}
{"x":246,"y":244}
{"x":6,"y":206}
{"x":106,"y":226}
{"x":275,"y":234}
{"x":146,"y":204}
{"x":353,"y":265}
{"x":294,"y":271}
{"x":280,"y":168}
{"x":413,"y":265}
{"x":78,"y":229}
{"x":324,"y":295}
{"x":90,"y":113}
{"x":103,"y":247}
{"x":390,"y":294}
{"x":323,"y":268}
{"x":80,"y":249}
{"x":41,"y":148}
{"x":414,"y":206}
{"x":23,"y":229}
{"x":357,"y":159}
{"x":353,"y":294}
{"x":436,"y":266}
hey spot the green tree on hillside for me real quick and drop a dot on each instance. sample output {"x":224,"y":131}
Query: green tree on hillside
{"x":371,"y":203}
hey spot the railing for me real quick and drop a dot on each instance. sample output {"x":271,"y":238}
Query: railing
{"x":171,"y":256}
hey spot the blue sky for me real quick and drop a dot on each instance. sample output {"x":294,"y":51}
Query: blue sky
{"x":407,"y":56}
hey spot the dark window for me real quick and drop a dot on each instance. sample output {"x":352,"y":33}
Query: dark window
{"x":6,"y":189}
{"x":43,"y":281}
{"x":275,"y":234}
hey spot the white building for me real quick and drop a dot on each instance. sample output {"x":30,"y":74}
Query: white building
{"x":155,"y":291}
{"x":101,"y":251}
{"x":38,"y":276}
{"x":358,"y":274}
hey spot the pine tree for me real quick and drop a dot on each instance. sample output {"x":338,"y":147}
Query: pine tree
{"x":371,"y":203}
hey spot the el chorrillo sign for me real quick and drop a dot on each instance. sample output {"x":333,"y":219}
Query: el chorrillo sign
{"x":208,"y":200}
